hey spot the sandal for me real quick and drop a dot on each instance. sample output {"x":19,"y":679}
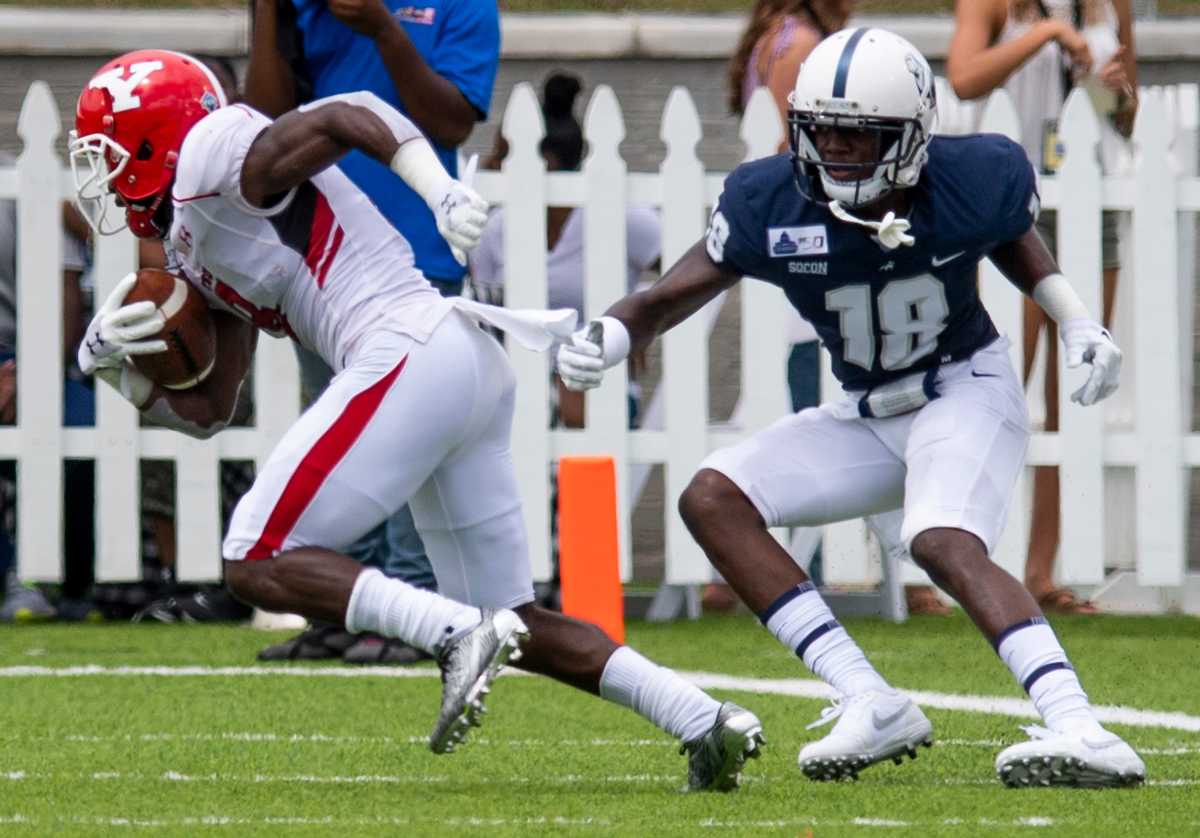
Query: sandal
{"x":922,"y":600}
{"x":1064,"y":601}
{"x":719,"y":598}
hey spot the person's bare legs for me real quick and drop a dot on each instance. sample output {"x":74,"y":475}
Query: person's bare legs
{"x":736,"y":540}
{"x":311,"y":581}
{"x":1045,"y":521}
{"x":1073,"y":750}
{"x":564,"y":648}
{"x":324,"y":585}
{"x":873,"y":722}
{"x":958,"y":563}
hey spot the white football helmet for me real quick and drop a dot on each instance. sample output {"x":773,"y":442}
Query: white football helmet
{"x":863,"y":79}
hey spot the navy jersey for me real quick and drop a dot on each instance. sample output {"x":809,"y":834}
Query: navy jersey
{"x":883,"y":313}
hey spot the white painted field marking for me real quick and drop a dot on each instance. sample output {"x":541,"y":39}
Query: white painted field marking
{"x":884,"y":823}
{"x":436,"y":779}
{"x":326,"y":739}
{"x":797,"y":687}
{"x":339,"y":779}
{"x":226,"y":820}
{"x":994,"y":705}
{"x":251,"y":737}
{"x":492,"y":822}
{"x":1169,"y":751}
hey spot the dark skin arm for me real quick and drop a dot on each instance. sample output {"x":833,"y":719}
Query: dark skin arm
{"x":683,"y":290}
{"x":73,"y":322}
{"x":210,"y":404}
{"x":284,"y":155}
{"x":1024,"y":261}
{"x":302,"y":143}
{"x":270,"y":86}
{"x":431,"y":101}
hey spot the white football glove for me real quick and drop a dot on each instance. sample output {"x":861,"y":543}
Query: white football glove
{"x":118,"y":331}
{"x":1086,"y":341}
{"x":460,"y":212}
{"x":597,"y":346}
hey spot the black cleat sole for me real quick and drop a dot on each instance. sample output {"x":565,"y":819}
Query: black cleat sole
{"x":847,"y":768}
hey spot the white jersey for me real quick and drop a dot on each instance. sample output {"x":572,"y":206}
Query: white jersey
{"x":322,"y":265}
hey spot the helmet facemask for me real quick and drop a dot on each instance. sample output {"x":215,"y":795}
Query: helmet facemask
{"x":96,"y":161}
{"x":900,"y":152}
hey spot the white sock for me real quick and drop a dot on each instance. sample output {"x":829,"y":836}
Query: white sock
{"x":396,"y":609}
{"x":802,"y":621}
{"x":675,"y":705}
{"x":1038,"y":662}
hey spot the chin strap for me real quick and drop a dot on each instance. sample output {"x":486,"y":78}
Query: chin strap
{"x":892,"y":232}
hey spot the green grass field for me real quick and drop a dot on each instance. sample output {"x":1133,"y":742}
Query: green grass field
{"x":238,"y":754}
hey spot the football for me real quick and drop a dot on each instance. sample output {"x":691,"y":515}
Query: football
{"x":188,"y":329}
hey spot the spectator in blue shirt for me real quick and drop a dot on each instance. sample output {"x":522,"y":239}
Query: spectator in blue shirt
{"x":435,"y":62}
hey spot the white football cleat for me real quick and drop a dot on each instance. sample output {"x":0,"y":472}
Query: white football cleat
{"x":1095,"y":758}
{"x":871,"y":727}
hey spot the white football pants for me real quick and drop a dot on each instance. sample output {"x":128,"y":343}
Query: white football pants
{"x":404,"y":422}
{"x":952,"y":463}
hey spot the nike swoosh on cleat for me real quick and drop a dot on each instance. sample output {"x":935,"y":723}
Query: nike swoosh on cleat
{"x":983,"y":374}
{"x":881,"y":721}
{"x":937,"y":263}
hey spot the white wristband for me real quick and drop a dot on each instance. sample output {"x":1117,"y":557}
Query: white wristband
{"x":418,"y":166}
{"x":1059,"y":300}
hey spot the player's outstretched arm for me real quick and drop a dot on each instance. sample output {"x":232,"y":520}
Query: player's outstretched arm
{"x":1028,"y":264}
{"x":199,"y":411}
{"x":634,"y":321}
{"x":306,"y":141}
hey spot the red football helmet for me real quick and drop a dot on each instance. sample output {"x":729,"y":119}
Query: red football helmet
{"x":129,"y":125}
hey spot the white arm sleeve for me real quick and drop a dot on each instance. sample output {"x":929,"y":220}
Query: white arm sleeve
{"x":401,"y":126}
{"x":1059,"y":300}
{"x":415,"y":161}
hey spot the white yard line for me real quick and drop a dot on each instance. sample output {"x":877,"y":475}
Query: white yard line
{"x":798,"y":687}
{"x":995,"y":705}
{"x":429,"y":779}
{"x":255,"y":737}
{"x":466,"y":822}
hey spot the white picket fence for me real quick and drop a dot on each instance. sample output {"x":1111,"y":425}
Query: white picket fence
{"x":1149,"y":431}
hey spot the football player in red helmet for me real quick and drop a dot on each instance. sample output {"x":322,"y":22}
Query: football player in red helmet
{"x":129,"y":124}
{"x":257,"y":216}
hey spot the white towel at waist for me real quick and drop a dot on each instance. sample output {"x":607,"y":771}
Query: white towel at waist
{"x":536,"y":329}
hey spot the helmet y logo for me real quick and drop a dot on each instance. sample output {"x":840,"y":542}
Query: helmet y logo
{"x":121,"y":81}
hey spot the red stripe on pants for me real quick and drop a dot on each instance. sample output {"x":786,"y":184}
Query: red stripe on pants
{"x":317,"y":464}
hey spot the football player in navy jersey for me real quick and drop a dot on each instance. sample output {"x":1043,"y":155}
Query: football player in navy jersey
{"x":874,"y":230}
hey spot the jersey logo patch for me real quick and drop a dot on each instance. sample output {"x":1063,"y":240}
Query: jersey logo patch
{"x":783,"y":242}
{"x":416,"y":14}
